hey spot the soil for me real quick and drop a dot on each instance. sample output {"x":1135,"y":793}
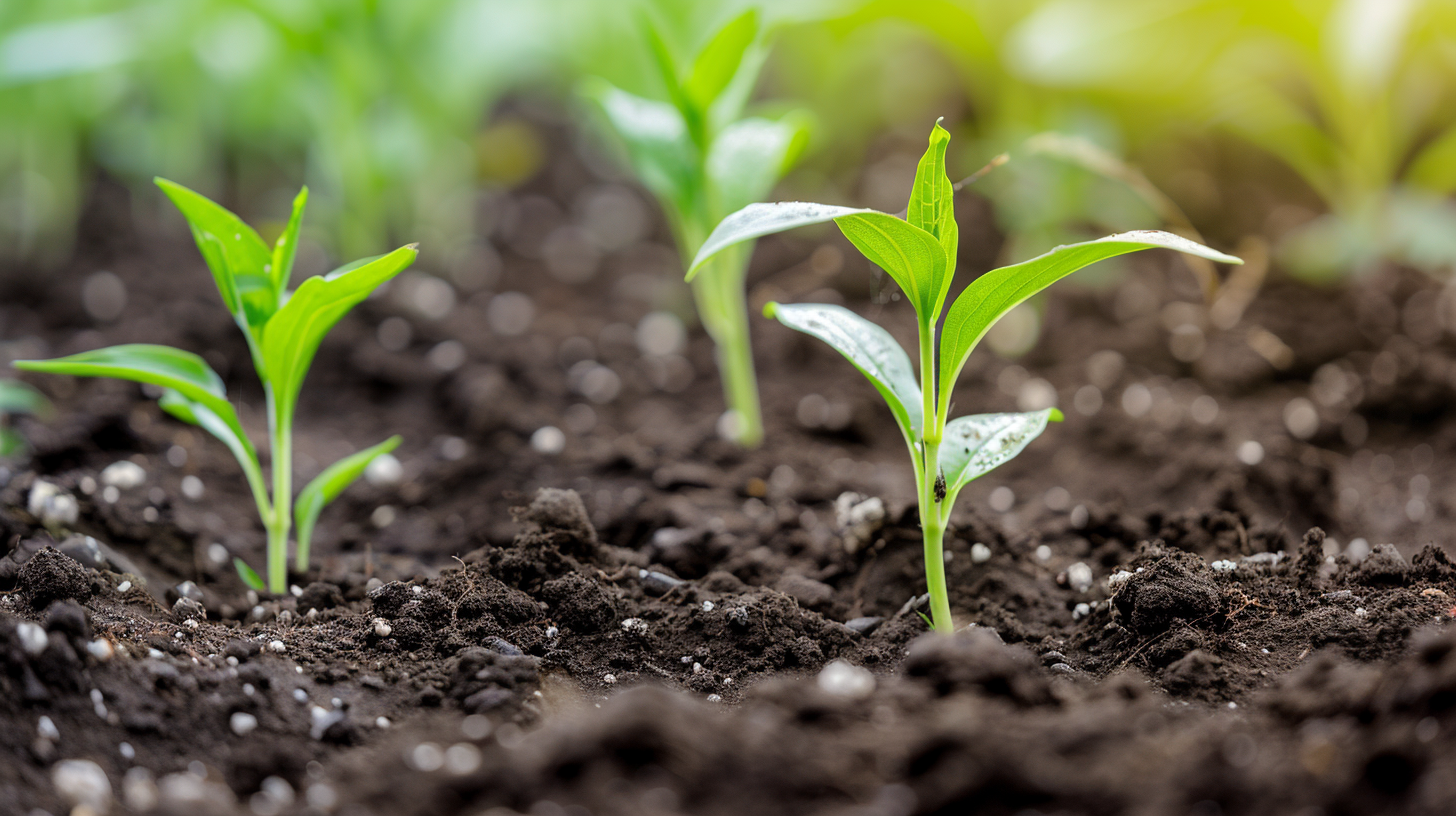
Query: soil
{"x":1221,"y":586}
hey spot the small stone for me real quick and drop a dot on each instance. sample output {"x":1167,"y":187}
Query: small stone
{"x":715,"y":698}
{"x":865,"y":625}
{"x":101,"y":649}
{"x":123,"y":587}
{"x":83,"y":784}
{"x":609,"y":679}
{"x":1224,"y":565}
{"x":980,"y":553}
{"x":47,"y":729}
{"x":658,"y":583}
{"x":635,"y":626}
{"x":1081,"y":611}
{"x":382,"y":722}
{"x":384,"y":471}
{"x":243,"y":723}
{"x":1117,"y":579}
{"x":32,"y":638}
{"x":843,"y":679}
{"x":1079,"y":577}
{"x":124,"y":475}
{"x":382,"y":628}
{"x":52,"y":505}
{"x":277,"y":646}
{"x":192,"y":487}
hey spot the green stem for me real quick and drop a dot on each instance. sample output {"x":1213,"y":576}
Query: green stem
{"x":723,"y":306}
{"x":934,"y":509}
{"x":280,"y":431}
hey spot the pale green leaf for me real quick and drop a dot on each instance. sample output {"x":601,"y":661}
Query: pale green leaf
{"x":869,"y":348}
{"x":758,"y":220}
{"x":993,"y":294}
{"x":18,"y":398}
{"x":932,"y":208}
{"x":292,"y":337}
{"x":656,"y":139}
{"x":719,"y":60}
{"x":975,"y":445}
{"x":749,"y":157}
{"x":327,"y":486}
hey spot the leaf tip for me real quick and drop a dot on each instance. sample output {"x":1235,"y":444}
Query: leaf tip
{"x":1056,"y":415}
{"x":770,"y":309}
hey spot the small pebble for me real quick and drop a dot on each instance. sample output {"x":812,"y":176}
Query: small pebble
{"x":707,"y":606}
{"x":382,"y":722}
{"x":123,"y":587}
{"x":277,"y":646}
{"x":1117,"y":579}
{"x":384,"y":471}
{"x":715,"y":698}
{"x":124,"y":475}
{"x":843,"y":679}
{"x":980,"y":553}
{"x":243,"y":723}
{"x":300,"y":695}
{"x":47,"y":729}
{"x":865,"y":625}
{"x":1081,"y":611}
{"x":382,"y":628}
{"x":83,"y":784}
{"x":462,"y":758}
{"x":32,"y":638}
{"x":192,"y":487}
{"x":127,"y":752}
{"x":1043,"y":553}
{"x":636,"y":626}
{"x":609,"y":679}
{"x":1079,"y":577}
{"x":1223,"y":565}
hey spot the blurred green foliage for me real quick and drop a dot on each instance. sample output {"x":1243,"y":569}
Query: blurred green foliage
{"x":1331,"y":122}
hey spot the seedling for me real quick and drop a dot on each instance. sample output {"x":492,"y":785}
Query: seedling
{"x":17,"y":398}
{"x":283,"y":330}
{"x":702,"y":160}
{"x":919,"y":253}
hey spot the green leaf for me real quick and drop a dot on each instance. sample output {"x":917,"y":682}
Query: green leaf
{"x":292,"y":337}
{"x":286,"y":248}
{"x":758,"y":220}
{"x":749,"y":157}
{"x":869,"y":348}
{"x":240,"y":262}
{"x":993,"y":294}
{"x":249,"y":575}
{"x":656,"y":139}
{"x":911,"y":256}
{"x":164,"y":366}
{"x":11,"y":442}
{"x":327,"y":486}
{"x":196,"y":413}
{"x":719,"y":60}
{"x":18,"y":398}
{"x":976,"y":445}
{"x":932,"y":208}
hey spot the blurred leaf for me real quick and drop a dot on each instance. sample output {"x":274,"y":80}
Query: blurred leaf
{"x":656,"y":140}
{"x":749,"y":156}
{"x":719,"y":60}
{"x":286,"y":249}
{"x":250,"y":576}
{"x":758,"y":220}
{"x":19,"y":398}
{"x":869,"y":348}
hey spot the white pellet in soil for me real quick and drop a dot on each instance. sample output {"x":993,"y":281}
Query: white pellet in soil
{"x":1043,"y":553}
{"x":462,"y":758}
{"x":385,"y":471}
{"x":548,"y":440}
{"x":427,"y":757}
{"x":82,"y":784}
{"x":843,"y":679}
{"x":1079,"y":577}
{"x":32,"y":638}
{"x":242,"y":723}
{"x":1224,"y":565}
{"x":1251,"y":453}
{"x":476,"y":727}
{"x":277,"y":646}
{"x":382,"y":722}
{"x":980,"y":553}
{"x":124,"y":474}
{"x":1002,"y":499}
{"x":1081,"y":611}
{"x":47,"y":729}
{"x":192,"y":487}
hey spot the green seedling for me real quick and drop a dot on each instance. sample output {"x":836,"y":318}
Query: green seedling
{"x":919,"y":253}
{"x":702,"y":160}
{"x":16,"y":399}
{"x":283,"y":330}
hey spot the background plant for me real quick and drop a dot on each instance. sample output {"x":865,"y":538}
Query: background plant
{"x":17,"y":399}
{"x":283,"y":330}
{"x":919,"y":253}
{"x":703,"y":159}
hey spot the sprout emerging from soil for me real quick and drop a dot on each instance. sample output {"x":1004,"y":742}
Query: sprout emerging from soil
{"x":283,"y":330}
{"x":919,"y":253}
{"x":703,"y":159}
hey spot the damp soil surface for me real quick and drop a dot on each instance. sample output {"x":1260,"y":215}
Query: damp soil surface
{"x":1221,"y":586}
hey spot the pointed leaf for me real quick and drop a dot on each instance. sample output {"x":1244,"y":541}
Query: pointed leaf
{"x":164,"y":366}
{"x":292,"y":337}
{"x":869,"y":348}
{"x":286,"y":248}
{"x":908,"y":253}
{"x":656,"y":139}
{"x":932,"y":208}
{"x":749,"y":157}
{"x":758,"y":220}
{"x":975,"y":445}
{"x":327,"y":486}
{"x":239,"y":260}
{"x":250,"y":576}
{"x":719,"y":60}
{"x":993,"y":294}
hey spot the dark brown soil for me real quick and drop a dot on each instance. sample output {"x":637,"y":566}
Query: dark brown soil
{"x":1162,"y":618}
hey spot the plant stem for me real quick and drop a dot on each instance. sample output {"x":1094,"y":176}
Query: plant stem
{"x":280,"y":432}
{"x":932,"y":519}
{"x":723,"y":307}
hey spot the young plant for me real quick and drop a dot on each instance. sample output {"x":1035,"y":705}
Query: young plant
{"x":283,"y":330}
{"x":17,"y":398}
{"x":919,"y":253}
{"x":703,"y":160}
